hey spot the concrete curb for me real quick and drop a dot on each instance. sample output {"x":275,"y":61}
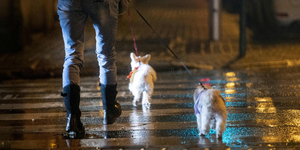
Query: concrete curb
{"x":268,"y":64}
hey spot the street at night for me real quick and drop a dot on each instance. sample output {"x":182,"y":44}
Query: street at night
{"x":262,"y":110}
{"x":261,"y":89}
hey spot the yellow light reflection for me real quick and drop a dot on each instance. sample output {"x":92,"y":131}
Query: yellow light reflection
{"x":297,"y":121}
{"x":261,"y":99}
{"x":230,"y":85}
{"x":233,"y":79}
{"x":230,"y":74}
{"x":285,"y":138}
{"x":289,"y":119}
{"x":293,"y":117}
{"x":266,"y":105}
{"x":249,"y":85}
{"x":98,"y":87}
{"x":101,"y":113}
{"x":295,"y":138}
{"x":270,"y":139}
{"x":264,"y":110}
{"x":53,"y":145}
{"x":267,"y":122}
{"x":229,"y":91}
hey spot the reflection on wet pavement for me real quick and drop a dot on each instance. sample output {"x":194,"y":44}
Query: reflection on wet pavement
{"x":263,"y":112}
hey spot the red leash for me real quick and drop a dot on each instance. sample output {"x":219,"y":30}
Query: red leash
{"x":162,"y":41}
{"x":132,"y":33}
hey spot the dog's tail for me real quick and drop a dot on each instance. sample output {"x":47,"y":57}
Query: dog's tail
{"x":153,"y":73}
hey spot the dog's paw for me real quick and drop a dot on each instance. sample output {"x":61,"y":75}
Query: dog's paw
{"x":134,"y":103}
{"x":201,"y":134}
{"x":147,"y":104}
{"x":219,"y":136}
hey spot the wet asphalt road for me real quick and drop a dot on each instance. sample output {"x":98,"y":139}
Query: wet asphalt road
{"x":263,"y":113}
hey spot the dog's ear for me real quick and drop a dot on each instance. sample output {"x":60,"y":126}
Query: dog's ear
{"x":147,"y":58}
{"x":132,"y":56}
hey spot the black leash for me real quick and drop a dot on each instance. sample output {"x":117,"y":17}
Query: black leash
{"x":167,"y":46}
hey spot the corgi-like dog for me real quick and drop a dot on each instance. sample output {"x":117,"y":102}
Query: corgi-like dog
{"x":210,"y":110}
{"x":142,"y":78}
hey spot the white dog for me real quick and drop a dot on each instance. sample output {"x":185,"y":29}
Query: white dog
{"x":210,"y":110}
{"x":141,"y":77}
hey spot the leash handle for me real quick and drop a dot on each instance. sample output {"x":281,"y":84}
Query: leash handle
{"x":132,"y":33}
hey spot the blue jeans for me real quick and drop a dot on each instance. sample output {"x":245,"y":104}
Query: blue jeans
{"x":73,"y":16}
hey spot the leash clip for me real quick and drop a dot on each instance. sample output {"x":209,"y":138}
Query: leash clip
{"x":202,"y":85}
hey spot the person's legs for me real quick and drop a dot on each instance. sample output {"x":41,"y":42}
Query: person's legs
{"x":104,"y":14}
{"x":72,"y":21}
{"x":105,"y":23}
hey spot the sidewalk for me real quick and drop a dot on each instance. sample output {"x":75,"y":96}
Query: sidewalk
{"x":184,"y":28}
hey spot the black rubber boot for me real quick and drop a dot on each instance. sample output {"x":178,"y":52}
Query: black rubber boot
{"x":71,"y":94}
{"x":112,"y":109}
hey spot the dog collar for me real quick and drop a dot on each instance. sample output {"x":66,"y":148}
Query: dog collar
{"x":131,"y":74}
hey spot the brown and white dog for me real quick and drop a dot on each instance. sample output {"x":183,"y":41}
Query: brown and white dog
{"x":210,"y":110}
{"x":142,"y":79}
